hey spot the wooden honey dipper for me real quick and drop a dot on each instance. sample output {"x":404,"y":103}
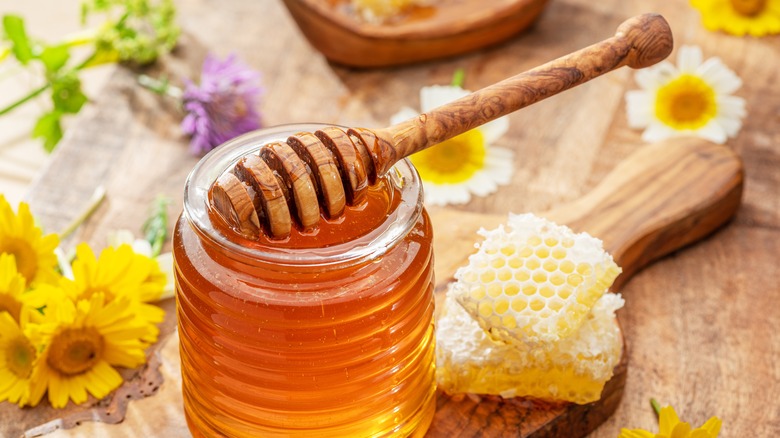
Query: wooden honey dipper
{"x":330,"y":168}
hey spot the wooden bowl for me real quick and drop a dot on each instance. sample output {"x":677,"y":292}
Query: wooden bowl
{"x":421,"y":34}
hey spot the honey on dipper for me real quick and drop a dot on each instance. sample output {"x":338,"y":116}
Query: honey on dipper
{"x":303,"y":264}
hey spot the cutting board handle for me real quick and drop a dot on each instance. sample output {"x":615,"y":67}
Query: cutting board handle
{"x":660,"y":199}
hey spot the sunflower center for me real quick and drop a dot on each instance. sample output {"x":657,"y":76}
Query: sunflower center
{"x":26,"y":259}
{"x":748,"y":8}
{"x":686,"y":103}
{"x":453,"y":161}
{"x":74,"y":351}
{"x":19,"y":356}
{"x":11,"y":305}
{"x":87,"y":294}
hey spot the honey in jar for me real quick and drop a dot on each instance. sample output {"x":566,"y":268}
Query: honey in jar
{"x":327,"y":333}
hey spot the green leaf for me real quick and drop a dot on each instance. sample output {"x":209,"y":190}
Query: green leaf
{"x":155,"y":227}
{"x":54,"y":57}
{"x":49,"y":129}
{"x":458,"y":77}
{"x":67,"y":95}
{"x":14,"y":31}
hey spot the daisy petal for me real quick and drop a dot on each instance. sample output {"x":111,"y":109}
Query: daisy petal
{"x":438,"y":95}
{"x":657,"y":132}
{"x":714,"y":132}
{"x":403,"y":115}
{"x":494,"y":130}
{"x":689,"y":58}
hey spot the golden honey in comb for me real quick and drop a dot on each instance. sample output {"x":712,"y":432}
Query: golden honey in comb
{"x":528,"y":316}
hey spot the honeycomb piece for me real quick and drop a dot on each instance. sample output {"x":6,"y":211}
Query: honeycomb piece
{"x":533,"y":282}
{"x":574,"y":369}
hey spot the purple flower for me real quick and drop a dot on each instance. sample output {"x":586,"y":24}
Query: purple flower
{"x":223,"y":106}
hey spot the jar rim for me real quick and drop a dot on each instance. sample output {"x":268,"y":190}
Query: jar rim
{"x":398,"y":223}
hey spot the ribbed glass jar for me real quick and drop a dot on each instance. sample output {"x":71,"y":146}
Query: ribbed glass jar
{"x":326,"y":334}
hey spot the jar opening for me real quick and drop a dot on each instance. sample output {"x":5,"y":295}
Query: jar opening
{"x":402,"y":184}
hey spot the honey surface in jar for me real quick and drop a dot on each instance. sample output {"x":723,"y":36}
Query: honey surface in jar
{"x":325,"y":334}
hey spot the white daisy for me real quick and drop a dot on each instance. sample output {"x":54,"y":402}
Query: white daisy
{"x":464,"y":165}
{"x":692,"y":98}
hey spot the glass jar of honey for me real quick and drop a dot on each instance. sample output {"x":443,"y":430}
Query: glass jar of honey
{"x":327,"y":333}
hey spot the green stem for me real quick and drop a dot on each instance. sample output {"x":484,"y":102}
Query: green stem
{"x":160,"y":86}
{"x":80,"y":38}
{"x":656,"y":406}
{"x":94,"y":202}
{"x":33,"y":94}
{"x":458,"y":77}
{"x":25,"y":99}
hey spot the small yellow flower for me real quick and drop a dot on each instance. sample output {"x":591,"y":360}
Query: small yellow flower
{"x":82,"y":341}
{"x":740,"y":17}
{"x":462,"y":166}
{"x":671,"y":427}
{"x":160,"y":283}
{"x":11,"y":287}
{"x":18,"y":358}
{"x":117,"y":273}
{"x":34,"y":252}
{"x":693,"y":97}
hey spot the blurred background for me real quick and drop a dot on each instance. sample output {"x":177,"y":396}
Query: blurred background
{"x":22,"y":158}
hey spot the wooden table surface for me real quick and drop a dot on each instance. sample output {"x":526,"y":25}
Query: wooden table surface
{"x":702,"y":325}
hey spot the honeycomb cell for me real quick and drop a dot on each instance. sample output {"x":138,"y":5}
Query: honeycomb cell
{"x":574,"y":369}
{"x":518,"y":304}
{"x":559,"y":274}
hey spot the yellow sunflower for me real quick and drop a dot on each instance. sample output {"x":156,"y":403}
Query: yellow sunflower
{"x":34,"y":252}
{"x":671,"y":427}
{"x":740,"y":17}
{"x":118,"y":272}
{"x":82,"y":341}
{"x":159,"y":282}
{"x":17,"y":360}
{"x":11,"y":287}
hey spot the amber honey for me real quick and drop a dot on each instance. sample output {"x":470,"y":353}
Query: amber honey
{"x":326,"y":334}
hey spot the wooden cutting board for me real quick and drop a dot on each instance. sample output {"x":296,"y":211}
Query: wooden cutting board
{"x":660,"y":199}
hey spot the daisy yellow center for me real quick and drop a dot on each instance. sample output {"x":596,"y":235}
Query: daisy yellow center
{"x":20,"y":355}
{"x":26,"y":259}
{"x":11,"y":305}
{"x":686,"y":103}
{"x":748,"y":8}
{"x":74,"y":351}
{"x":453,"y":161}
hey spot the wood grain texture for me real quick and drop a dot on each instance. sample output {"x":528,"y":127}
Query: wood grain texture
{"x":424,"y":34}
{"x":660,"y":199}
{"x":639,"y":42}
{"x":701,"y":324}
